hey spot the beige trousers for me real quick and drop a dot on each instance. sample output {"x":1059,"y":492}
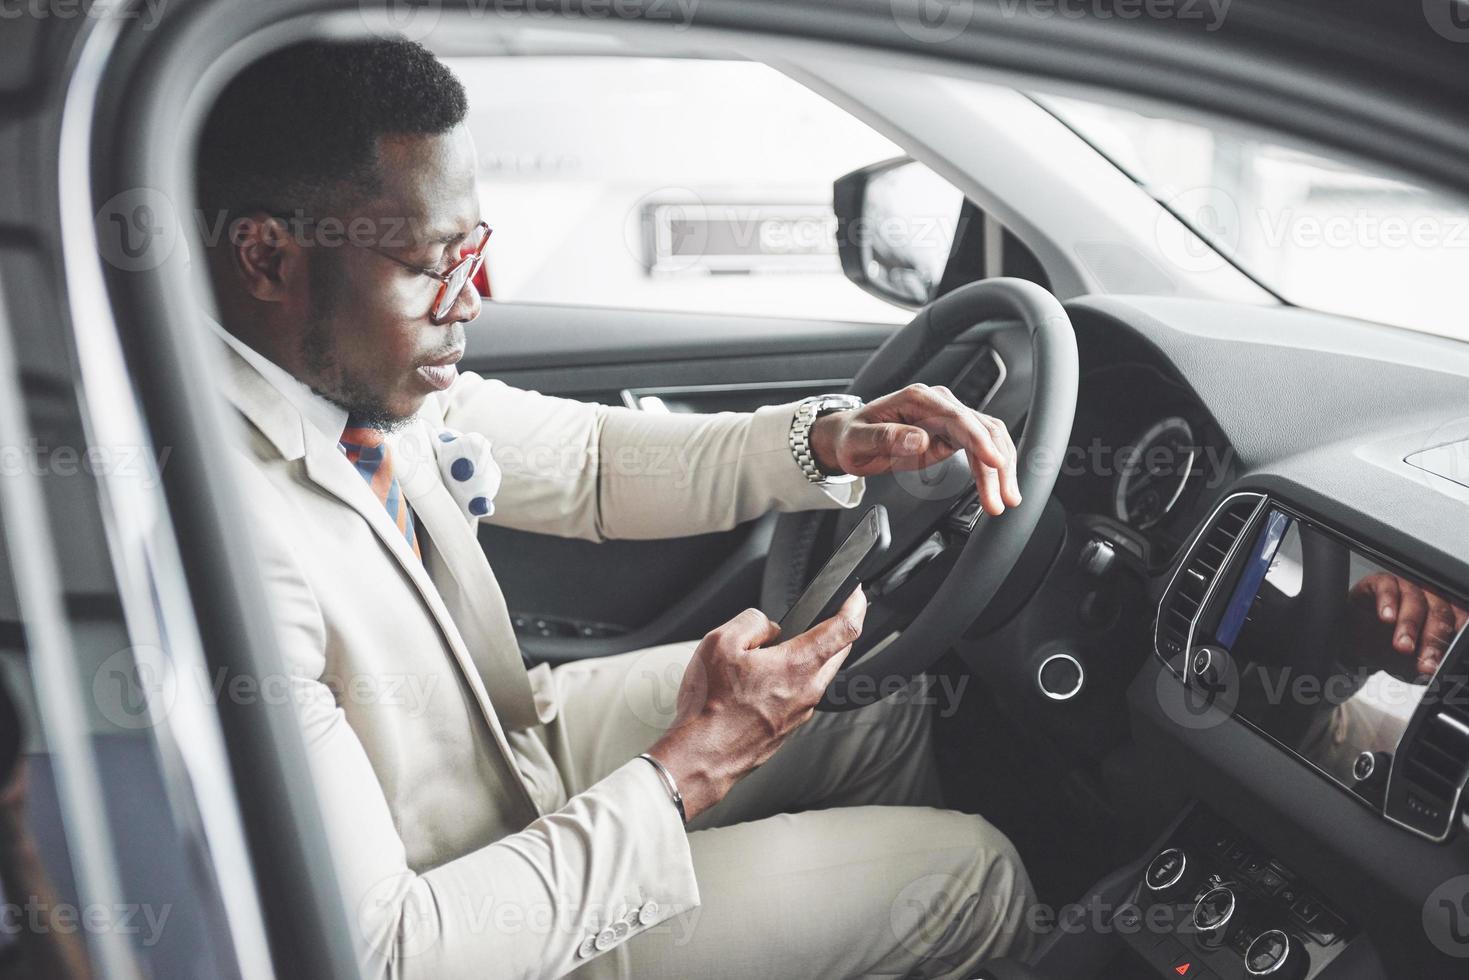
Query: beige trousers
{"x":832,"y":860}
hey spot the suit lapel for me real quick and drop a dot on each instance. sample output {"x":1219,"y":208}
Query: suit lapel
{"x":329,"y":469}
{"x":463,"y":577}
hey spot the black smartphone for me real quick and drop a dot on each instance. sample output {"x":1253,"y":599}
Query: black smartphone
{"x":839,"y":576}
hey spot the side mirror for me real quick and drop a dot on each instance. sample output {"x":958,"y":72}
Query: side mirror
{"x":896,"y":225}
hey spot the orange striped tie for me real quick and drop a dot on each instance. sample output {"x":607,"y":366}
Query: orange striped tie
{"x":367,"y":449}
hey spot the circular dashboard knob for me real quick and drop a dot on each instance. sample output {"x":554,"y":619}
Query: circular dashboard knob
{"x":1060,"y":677}
{"x":1169,"y":875}
{"x":1213,"y":913}
{"x":1277,"y":955}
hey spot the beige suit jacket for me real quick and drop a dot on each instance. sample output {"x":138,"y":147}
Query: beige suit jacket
{"x":458,"y":848}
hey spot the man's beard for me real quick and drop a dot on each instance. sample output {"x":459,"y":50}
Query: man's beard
{"x":319,"y":353}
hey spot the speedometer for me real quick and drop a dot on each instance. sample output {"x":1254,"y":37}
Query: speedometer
{"x":1154,"y":471}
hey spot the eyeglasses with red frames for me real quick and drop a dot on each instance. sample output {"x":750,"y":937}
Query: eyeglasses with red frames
{"x":452,"y":283}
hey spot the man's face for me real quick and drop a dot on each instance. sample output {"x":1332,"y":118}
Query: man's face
{"x":367,"y":339}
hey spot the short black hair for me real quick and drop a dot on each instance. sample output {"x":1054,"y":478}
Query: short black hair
{"x":298,"y":129}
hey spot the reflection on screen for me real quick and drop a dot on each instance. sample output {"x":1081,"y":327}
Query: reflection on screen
{"x":1334,"y":650}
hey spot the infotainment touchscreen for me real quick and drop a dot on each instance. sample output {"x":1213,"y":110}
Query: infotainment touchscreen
{"x":1333,"y":649}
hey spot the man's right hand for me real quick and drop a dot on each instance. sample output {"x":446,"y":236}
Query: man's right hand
{"x":739,"y":700}
{"x":1422,"y":623}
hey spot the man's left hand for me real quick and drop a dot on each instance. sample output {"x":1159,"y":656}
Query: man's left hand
{"x":915,"y":428}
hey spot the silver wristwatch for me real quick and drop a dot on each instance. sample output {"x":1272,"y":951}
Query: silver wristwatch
{"x":807,"y":412}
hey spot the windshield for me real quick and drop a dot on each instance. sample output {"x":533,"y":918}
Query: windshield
{"x":1316,"y":232}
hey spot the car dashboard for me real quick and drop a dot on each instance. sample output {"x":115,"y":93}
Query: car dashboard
{"x":1257,"y":466}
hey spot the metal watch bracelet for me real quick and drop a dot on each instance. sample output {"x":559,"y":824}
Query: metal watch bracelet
{"x":807,"y":412}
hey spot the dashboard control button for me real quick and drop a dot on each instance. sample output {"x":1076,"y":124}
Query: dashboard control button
{"x":1307,"y":909}
{"x":1170,"y":876}
{"x":1129,"y":919}
{"x":1097,"y":557}
{"x":1326,"y":928}
{"x":1270,"y":880}
{"x":1277,"y":955}
{"x":1165,"y":954}
{"x":1252,"y":866}
{"x":1060,"y":677}
{"x":1213,"y":914}
{"x":1369,"y":775}
{"x":1189,"y":967}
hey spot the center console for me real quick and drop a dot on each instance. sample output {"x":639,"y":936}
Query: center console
{"x":1295,"y":629}
{"x":1213,"y":905}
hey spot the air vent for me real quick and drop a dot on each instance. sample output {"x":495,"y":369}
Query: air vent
{"x":1433,"y":761}
{"x":1184,"y":598}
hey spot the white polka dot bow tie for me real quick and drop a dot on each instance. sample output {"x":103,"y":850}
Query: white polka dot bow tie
{"x":469,"y":471}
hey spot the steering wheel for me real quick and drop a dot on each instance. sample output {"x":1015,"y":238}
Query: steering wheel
{"x":918,"y":502}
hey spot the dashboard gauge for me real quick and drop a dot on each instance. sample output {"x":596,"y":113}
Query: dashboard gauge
{"x":1154,"y":471}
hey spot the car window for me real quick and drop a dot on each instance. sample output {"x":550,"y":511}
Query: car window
{"x":1319,"y":232}
{"x":669,"y":184}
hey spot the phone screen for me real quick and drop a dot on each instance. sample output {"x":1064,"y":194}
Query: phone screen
{"x":838,"y":577}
